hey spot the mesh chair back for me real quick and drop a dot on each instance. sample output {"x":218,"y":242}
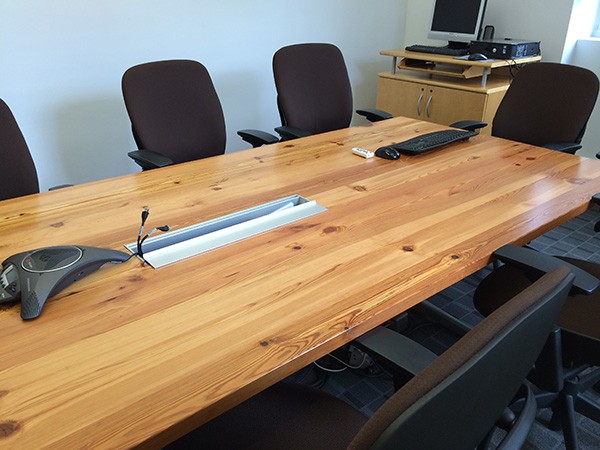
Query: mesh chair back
{"x":313,"y":88}
{"x":547,"y":103}
{"x":454,"y":401}
{"x":19,"y":176}
{"x":174,"y":109}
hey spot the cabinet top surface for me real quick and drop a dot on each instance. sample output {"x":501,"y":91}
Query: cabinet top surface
{"x":491,"y":63}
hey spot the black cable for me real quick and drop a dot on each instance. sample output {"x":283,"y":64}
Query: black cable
{"x":145,"y":214}
{"x":514,"y":68}
{"x":140,"y":239}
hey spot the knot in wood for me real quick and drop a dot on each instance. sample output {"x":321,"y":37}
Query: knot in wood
{"x":332,"y":229}
{"x":578,"y":180}
{"x":9,"y":427}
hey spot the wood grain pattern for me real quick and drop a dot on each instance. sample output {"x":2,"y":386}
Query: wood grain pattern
{"x":134,"y":356}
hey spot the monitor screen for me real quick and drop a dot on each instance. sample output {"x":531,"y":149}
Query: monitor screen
{"x":457,"y":21}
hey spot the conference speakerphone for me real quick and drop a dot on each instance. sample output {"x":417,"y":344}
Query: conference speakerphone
{"x":505,"y":48}
{"x":34,"y":276}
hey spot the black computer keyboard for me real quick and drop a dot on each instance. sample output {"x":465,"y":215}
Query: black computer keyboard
{"x":437,"y":50}
{"x":429,"y":141}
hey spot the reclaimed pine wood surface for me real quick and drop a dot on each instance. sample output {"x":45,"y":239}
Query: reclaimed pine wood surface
{"x":135,"y":356}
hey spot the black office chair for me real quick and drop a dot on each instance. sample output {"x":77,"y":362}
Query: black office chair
{"x":313,"y":91}
{"x":452,"y":404}
{"x":547,"y":104}
{"x":563,"y":371}
{"x":19,"y":176}
{"x":175,"y":113}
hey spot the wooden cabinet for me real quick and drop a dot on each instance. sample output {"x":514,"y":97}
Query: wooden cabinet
{"x":445,"y":90}
{"x":435,"y":103}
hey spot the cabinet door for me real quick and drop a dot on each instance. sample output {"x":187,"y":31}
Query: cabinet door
{"x":401,"y":98}
{"x":445,"y":105}
{"x":438,"y":104}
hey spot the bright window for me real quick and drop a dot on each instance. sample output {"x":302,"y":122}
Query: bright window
{"x":596,"y":30}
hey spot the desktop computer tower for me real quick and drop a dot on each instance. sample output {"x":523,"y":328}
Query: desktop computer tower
{"x":505,"y":48}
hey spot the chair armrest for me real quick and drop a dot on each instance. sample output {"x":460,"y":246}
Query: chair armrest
{"x":469,"y":125}
{"x":288,"y":133}
{"x":396,"y":351}
{"x":148,"y":159}
{"x":256,"y":138}
{"x":60,"y":186}
{"x":374,"y":115}
{"x":540,"y":263}
{"x":596,"y":200}
{"x":564,"y":147}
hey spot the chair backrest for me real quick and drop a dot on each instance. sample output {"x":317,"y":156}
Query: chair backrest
{"x":174,"y":109}
{"x":19,"y":176}
{"x":455,"y":401}
{"x":547,"y":103}
{"x":313,"y":87}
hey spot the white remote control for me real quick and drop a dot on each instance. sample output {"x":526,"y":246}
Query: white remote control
{"x":362,"y":152}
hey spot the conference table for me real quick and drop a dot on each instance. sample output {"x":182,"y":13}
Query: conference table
{"x":135,"y":356}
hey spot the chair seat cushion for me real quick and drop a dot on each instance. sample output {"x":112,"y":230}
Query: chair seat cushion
{"x":579,"y":319}
{"x":286,"y":416}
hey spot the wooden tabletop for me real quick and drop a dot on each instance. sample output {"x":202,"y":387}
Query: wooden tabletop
{"x":135,"y":356}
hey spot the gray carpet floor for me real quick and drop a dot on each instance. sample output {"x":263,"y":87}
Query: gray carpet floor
{"x":367,"y":389}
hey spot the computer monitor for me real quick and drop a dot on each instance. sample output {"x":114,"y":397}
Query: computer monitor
{"x":457,"y":21}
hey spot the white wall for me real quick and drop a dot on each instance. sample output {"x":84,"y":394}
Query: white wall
{"x":62,"y":62}
{"x":586,"y":53}
{"x":582,"y":51}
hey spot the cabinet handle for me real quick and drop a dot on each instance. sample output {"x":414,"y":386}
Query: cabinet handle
{"x":419,"y":104}
{"x":427,"y":105}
